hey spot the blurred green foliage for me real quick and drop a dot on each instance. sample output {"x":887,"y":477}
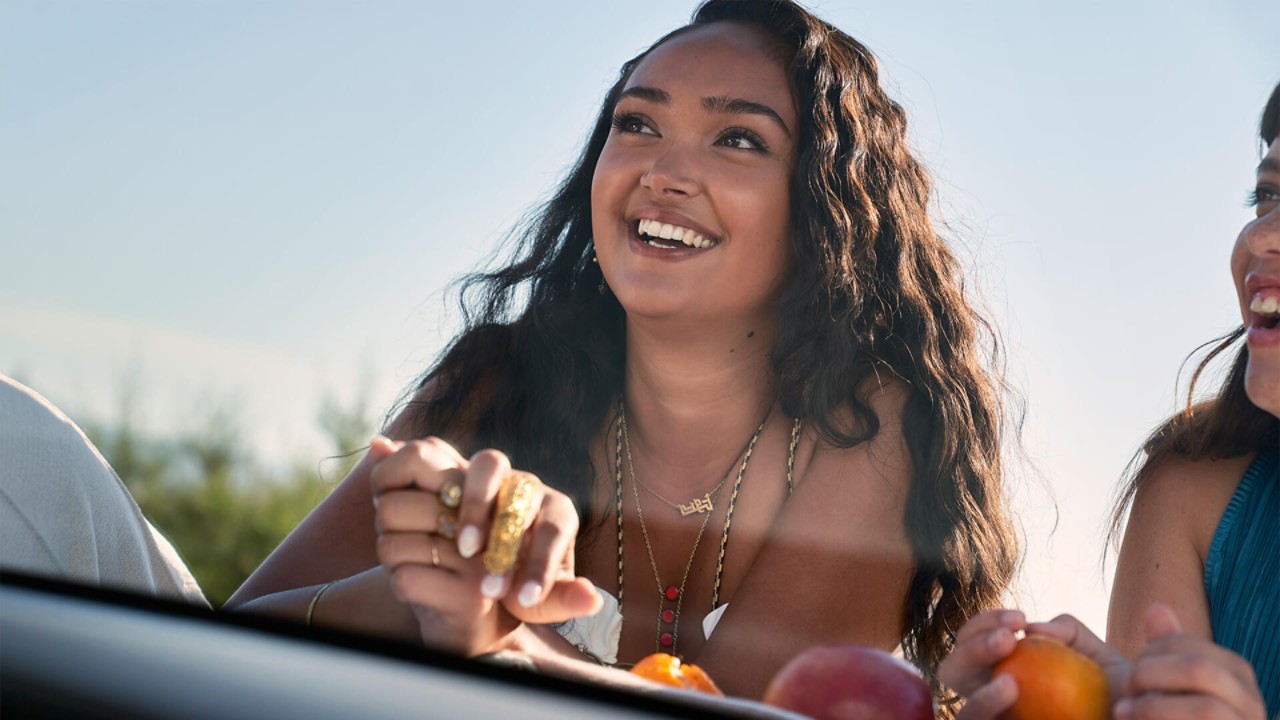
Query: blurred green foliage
{"x":222,"y":508}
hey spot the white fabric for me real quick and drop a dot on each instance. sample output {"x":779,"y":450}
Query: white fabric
{"x":712,"y":619}
{"x":64,"y":513}
{"x":598,"y":634}
{"x":601,"y":634}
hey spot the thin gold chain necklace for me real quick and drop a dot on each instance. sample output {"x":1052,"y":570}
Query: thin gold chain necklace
{"x":697,"y":506}
{"x":666,"y":639}
{"x":796,"y":427}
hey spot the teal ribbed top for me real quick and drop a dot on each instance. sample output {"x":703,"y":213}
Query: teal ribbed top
{"x":1242,"y":575}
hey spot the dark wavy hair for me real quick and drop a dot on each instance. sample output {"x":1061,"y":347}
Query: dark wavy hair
{"x":1227,"y":424}
{"x":873,"y":289}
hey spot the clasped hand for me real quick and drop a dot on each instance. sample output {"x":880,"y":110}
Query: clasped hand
{"x":1175,"y":676}
{"x":460,"y":605}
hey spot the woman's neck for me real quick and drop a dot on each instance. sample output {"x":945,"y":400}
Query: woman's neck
{"x":693,"y":399}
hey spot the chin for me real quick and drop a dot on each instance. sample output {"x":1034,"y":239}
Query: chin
{"x":1262,"y":384}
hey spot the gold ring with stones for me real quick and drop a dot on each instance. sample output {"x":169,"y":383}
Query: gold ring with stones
{"x":447,"y":524}
{"x":451,"y":495}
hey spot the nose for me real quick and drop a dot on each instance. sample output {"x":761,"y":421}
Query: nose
{"x":672,"y":174}
{"x":1262,"y":235}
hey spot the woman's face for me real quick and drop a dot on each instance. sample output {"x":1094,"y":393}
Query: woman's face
{"x":690,"y":204}
{"x":1255,"y":266}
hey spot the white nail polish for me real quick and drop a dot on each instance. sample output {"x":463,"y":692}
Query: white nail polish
{"x":491,"y":586}
{"x":469,"y":541}
{"x":529,"y":594}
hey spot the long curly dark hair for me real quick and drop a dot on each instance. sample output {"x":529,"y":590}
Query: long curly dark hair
{"x":1226,"y":425}
{"x":874,"y":289}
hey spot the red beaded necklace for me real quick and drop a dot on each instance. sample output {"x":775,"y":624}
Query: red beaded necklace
{"x":668,"y":629}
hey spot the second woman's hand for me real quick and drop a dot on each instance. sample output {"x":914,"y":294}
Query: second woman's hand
{"x":1182,"y":676}
{"x":460,"y":603}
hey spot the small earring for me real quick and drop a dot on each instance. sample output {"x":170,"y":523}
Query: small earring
{"x":596,"y":261}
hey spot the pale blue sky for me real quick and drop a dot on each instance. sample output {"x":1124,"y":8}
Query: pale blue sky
{"x":262,"y":199}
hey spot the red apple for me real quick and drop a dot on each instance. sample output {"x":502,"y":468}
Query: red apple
{"x":850,"y":682}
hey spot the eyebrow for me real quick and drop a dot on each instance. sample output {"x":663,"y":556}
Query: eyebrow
{"x":1269,"y":165}
{"x":718,"y":104}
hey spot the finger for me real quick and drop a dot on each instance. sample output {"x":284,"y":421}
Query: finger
{"x":985,"y":622}
{"x":1074,"y":634}
{"x":969,"y":665}
{"x":549,"y":541}
{"x":988,"y":701}
{"x":485,"y":473}
{"x":382,"y":447}
{"x":397,"y":549}
{"x":445,"y":592}
{"x":1173,"y":707}
{"x":407,"y":511}
{"x":567,"y":599}
{"x":1198,"y":668}
{"x":423,"y":464}
{"x":1159,"y":621}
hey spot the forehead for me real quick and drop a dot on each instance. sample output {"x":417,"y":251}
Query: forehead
{"x":720,"y":59}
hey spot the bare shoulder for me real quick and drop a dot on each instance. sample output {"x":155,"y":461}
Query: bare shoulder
{"x":869,"y":481}
{"x":1187,"y":495}
{"x":883,"y":458}
{"x":1175,"y":513}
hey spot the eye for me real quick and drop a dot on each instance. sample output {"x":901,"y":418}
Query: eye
{"x":1263,"y":197}
{"x":742,"y":139}
{"x":633,"y":124}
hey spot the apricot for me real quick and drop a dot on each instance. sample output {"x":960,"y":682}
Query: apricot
{"x":667,"y":670}
{"x":1055,"y":682}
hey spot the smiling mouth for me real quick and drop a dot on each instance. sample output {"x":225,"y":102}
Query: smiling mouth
{"x":1266,"y":312}
{"x":665,"y":235}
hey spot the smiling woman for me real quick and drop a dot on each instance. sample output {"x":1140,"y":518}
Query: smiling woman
{"x":728,"y":400}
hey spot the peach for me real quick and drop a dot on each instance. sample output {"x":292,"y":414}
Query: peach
{"x":850,"y":682}
{"x":667,"y":670}
{"x":1055,"y":682}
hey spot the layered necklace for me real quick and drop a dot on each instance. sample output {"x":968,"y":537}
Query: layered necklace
{"x":671,"y":597}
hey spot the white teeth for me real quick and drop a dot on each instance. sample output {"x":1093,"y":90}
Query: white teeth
{"x":1269,"y":306}
{"x":667,"y":231}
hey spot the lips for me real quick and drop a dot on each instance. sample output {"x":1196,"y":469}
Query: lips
{"x":1264,"y":312}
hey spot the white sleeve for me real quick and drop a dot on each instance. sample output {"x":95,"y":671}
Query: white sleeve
{"x":66,"y":514}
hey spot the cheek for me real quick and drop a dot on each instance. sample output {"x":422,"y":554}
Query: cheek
{"x":1240,"y":257}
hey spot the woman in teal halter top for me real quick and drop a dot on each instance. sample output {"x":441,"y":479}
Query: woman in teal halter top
{"x":1203,"y":534}
{"x":1194,"y":623}
{"x":1242,"y":574}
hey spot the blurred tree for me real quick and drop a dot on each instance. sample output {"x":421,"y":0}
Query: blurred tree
{"x":220,"y":507}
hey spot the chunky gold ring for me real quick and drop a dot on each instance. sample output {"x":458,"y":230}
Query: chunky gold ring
{"x":435,"y":553}
{"x":451,"y":495}
{"x":511,"y":516}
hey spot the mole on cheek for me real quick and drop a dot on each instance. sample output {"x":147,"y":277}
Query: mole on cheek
{"x":751,"y":333}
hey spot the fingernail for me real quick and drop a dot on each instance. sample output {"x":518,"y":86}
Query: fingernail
{"x":491,"y":586}
{"x":529,"y":594}
{"x":1124,"y":709}
{"x":469,"y":541}
{"x":1011,"y":617}
{"x":1005,"y":684}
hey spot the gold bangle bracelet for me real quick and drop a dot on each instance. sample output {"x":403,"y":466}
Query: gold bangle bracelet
{"x":311,"y":609}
